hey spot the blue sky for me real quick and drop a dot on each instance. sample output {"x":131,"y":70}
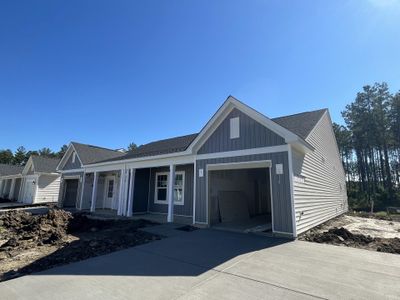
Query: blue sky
{"x":111,"y":72}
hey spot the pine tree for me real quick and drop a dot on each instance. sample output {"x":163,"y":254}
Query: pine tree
{"x":6,"y":156}
{"x":20,"y":156}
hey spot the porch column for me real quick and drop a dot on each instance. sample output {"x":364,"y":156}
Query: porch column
{"x":12,"y":188}
{"x":131,"y":192}
{"x":171,"y":184}
{"x":121,"y":193}
{"x":82,"y":190}
{"x":94,"y":192}
{"x":125,"y":194}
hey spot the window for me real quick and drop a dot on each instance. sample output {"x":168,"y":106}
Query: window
{"x":110,"y":189}
{"x":73,"y":157}
{"x":161,"y":188}
{"x":234,"y":128}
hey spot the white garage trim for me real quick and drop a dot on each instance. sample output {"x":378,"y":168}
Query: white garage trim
{"x":240,"y":165}
{"x":237,"y":166}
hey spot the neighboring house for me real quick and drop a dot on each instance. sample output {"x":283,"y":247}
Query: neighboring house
{"x":74,"y":177}
{"x":242,"y":170}
{"x":40,"y":181}
{"x":10,"y":181}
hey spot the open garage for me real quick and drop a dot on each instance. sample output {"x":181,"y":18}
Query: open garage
{"x":240,"y":196}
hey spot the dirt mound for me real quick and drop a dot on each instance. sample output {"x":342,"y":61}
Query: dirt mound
{"x":389,"y":246}
{"x":342,"y":236}
{"x":338,"y":236}
{"x":25,"y":230}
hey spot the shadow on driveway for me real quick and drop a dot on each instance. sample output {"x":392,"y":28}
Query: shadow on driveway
{"x":186,"y":254}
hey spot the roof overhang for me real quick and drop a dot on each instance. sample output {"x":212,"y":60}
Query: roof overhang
{"x":65,"y":157}
{"x":232,"y":103}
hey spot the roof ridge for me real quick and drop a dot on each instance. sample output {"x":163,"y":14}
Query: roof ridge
{"x":45,"y":157}
{"x":171,"y":138}
{"x":300,"y":113}
{"x":94,"y":146}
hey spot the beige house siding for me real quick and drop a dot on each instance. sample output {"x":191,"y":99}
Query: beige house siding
{"x":48,"y":188}
{"x":319,"y":185}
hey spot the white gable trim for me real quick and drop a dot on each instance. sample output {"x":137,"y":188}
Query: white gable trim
{"x":66,"y":156}
{"x":224,"y":111}
{"x":28,"y":165}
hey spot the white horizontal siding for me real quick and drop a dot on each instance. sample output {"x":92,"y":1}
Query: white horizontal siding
{"x":48,"y":188}
{"x":322,"y":195}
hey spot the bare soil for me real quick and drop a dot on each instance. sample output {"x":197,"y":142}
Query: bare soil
{"x":32,"y":243}
{"x":358,"y":232}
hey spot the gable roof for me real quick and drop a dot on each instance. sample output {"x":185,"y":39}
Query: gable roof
{"x":9,"y":170}
{"x":43,"y":164}
{"x":301,"y":124}
{"x":89,"y":154}
{"x":295,"y":127}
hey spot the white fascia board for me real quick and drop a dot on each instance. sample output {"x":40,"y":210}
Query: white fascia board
{"x":141,"y":159}
{"x":221,"y":113}
{"x":226,"y":108}
{"x":10,"y":177}
{"x":67,"y":154}
{"x":27,"y":166}
{"x":139,"y":164}
{"x":71,"y":171}
{"x":253,"y":151}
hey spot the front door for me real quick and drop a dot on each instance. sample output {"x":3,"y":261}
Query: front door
{"x":109,"y":192}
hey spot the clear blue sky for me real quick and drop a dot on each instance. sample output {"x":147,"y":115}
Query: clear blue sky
{"x":111,"y":72}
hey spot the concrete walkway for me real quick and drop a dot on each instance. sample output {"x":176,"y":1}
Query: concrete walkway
{"x":210,"y":264}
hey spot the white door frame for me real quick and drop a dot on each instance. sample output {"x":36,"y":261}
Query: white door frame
{"x":106,"y":180}
{"x":259,"y":164}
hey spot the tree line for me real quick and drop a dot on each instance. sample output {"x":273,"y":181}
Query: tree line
{"x":21,"y":155}
{"x":369,"y":145}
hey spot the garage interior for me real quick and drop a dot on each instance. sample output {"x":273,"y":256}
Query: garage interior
{"x":240,"y":199}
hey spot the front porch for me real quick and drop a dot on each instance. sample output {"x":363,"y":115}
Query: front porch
{"x":140,"y":193}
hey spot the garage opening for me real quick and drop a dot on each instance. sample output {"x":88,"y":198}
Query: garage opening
{"x":71,"y":192}
{"x":240,"y":198}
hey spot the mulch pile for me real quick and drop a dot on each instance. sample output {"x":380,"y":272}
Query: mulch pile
{"x":341,"y":236}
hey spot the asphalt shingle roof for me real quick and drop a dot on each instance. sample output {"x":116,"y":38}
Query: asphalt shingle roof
{"x":300,"y":124}
{"x":91,"y":154}
{"x":44,"y":164}
{"x":8,"y":170}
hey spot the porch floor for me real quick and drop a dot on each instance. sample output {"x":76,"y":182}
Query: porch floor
{"x":160,"y":218}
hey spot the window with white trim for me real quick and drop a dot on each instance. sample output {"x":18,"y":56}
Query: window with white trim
{"x":161,"y":188}
{"x":234,"y":128}
{"x":73,"y":157}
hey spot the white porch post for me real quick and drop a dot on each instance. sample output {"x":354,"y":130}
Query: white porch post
{"x":12,"y":188}
{"x":121,"y":193}
{"x":125,"y":194}
{"x":171,"y":183}
{"x":1,"y":187}
{"x":131,"y":192}
{"x":94,"y":192}
{"x":82,"y":190}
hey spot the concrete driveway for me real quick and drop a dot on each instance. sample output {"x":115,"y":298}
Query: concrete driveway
{"x":209,"y":264}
